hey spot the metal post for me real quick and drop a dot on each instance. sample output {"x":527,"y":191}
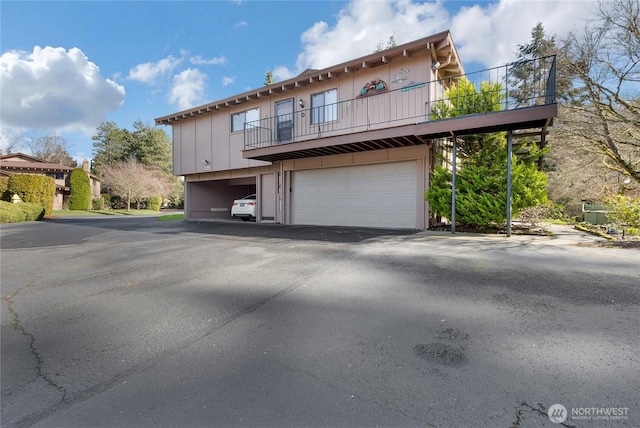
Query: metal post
{"x":509,"y":155}
{"x":453,"y":188}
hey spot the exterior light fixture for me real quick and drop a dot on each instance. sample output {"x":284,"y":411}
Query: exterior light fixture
{"x":301,"y":103}
{"x":435,"y":65}
{"x":204,"y":162}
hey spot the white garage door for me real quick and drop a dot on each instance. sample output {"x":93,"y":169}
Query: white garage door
{"x":381,"y":195}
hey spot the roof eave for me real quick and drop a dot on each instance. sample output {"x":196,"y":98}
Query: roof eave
{"x":314,"y":76}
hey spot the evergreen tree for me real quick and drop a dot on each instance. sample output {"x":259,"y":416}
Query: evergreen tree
{"x":390,"y":44}
{"x":481,"y":187}
{"x":481,"y":180}
{"x":151,"y":147}
{"x":529,"y":73}
{"x":109,"y":146}
{"x":148,"y":146}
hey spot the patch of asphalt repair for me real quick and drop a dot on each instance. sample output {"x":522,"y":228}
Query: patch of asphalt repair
{"x":449,"y":351}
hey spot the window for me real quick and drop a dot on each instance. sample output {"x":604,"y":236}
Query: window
{"x":55,"y":175}
{"x":239,"y":119}
{"x":324,"y":107}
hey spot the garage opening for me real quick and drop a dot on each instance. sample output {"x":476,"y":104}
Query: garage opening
{"x":377,"y":195}
{"x":213,"y":199}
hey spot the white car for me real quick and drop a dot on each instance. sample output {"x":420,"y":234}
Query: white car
{"x":244,"y":208}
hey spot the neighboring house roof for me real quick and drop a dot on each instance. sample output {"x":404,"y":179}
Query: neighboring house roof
{"x":19,"y":162}
{"x":440,"y":46}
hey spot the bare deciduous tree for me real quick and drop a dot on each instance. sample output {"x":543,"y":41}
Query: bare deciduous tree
{"x":604,"y":117}
{"x":52,"y":148}
{"x":131,"y":180}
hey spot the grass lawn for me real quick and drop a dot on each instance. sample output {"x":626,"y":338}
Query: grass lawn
{"x":83,"y":213}
{"x":170,"y":217}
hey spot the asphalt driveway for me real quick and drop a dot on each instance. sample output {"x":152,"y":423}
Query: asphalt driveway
{"x":132,"y":322}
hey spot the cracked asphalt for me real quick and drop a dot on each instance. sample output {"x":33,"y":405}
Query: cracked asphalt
{"x":132,"y":322}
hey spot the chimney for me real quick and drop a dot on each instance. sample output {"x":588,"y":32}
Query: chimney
{"x":85,"y":165}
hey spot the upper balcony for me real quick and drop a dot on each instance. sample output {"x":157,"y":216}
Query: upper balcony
{"x":411,"y":115}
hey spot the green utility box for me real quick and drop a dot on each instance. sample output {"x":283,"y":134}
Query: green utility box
{"x":595,"y":213}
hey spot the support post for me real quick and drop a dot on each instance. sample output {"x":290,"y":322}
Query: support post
{"x":509,"y":156}
{"x":453,"y":186}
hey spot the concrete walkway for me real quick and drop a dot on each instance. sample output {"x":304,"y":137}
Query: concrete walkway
{"x":562,"y":235}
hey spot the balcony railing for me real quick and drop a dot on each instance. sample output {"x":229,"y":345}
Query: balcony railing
{"x":513,"y":86}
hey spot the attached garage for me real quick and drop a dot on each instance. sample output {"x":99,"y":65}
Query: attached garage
{"x":376,"y":195}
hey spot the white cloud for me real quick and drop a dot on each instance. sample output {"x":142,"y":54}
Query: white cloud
{"x":55,"y":89}
{"x":188,"y":88}
{"x":487,"y":33}
{"x":226,"y":81}
{"x":281,"y":73}
{"x":241,"y":24}
{"x":361,"y":26}
{"x":198,"y":60}
{"x":490,"y":35}
{"x":148,"y":72}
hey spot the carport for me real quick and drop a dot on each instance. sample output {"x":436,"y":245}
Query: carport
{"x":211,"y":199}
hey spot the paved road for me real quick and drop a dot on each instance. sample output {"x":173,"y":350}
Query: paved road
{"x":132,"y":322}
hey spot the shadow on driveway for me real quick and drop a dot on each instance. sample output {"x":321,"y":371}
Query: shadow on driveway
{"x":57,"y":231}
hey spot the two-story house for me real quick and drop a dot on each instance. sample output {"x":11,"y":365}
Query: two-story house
{"x":348,"y":145}
{"x":19,"y":163}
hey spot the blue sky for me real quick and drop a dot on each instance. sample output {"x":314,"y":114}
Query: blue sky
{"x":67,"y":66}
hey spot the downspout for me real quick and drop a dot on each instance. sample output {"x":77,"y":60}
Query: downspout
{"x":509,"y":155}
{"x":453,"y":186}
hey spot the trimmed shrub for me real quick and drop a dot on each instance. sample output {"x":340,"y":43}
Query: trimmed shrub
{"x":24,"y":211}
{"x":4,"y":194}
{"x":33,"y":188}
{"x":154,"y":203}
{"x":80,"y":196}
{"x":97,"y":204}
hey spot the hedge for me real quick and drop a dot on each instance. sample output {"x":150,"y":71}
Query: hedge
{"x":23,"y":211}
{"x":37,"y":189}
{"x":4,"y":183}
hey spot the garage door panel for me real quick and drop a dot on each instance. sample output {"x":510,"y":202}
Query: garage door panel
{"x":387,"y":219}
{"x":324,"y":188}
{"x":354,"y":202}
{"x":406,"y":200}
{"x":340,"y":187}
{"x":369,"y":202}
{"x":370,"y":186}
{"x":380,"y":195}
{"x":339,"y":202}
{"x":386,"y":186}
{"x":354,"y":172}
{"x":406,"y":184}
{"x":354,"y":186}
{"x":405,"y":218}
{"x":388,"y":170}
{"x":337,"y":174}
{"x":389,"y":202}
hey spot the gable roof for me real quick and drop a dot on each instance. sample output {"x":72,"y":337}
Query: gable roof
{"x":19,"y":157}
{"x":19,"y":162}
{"x":439,"y":45}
